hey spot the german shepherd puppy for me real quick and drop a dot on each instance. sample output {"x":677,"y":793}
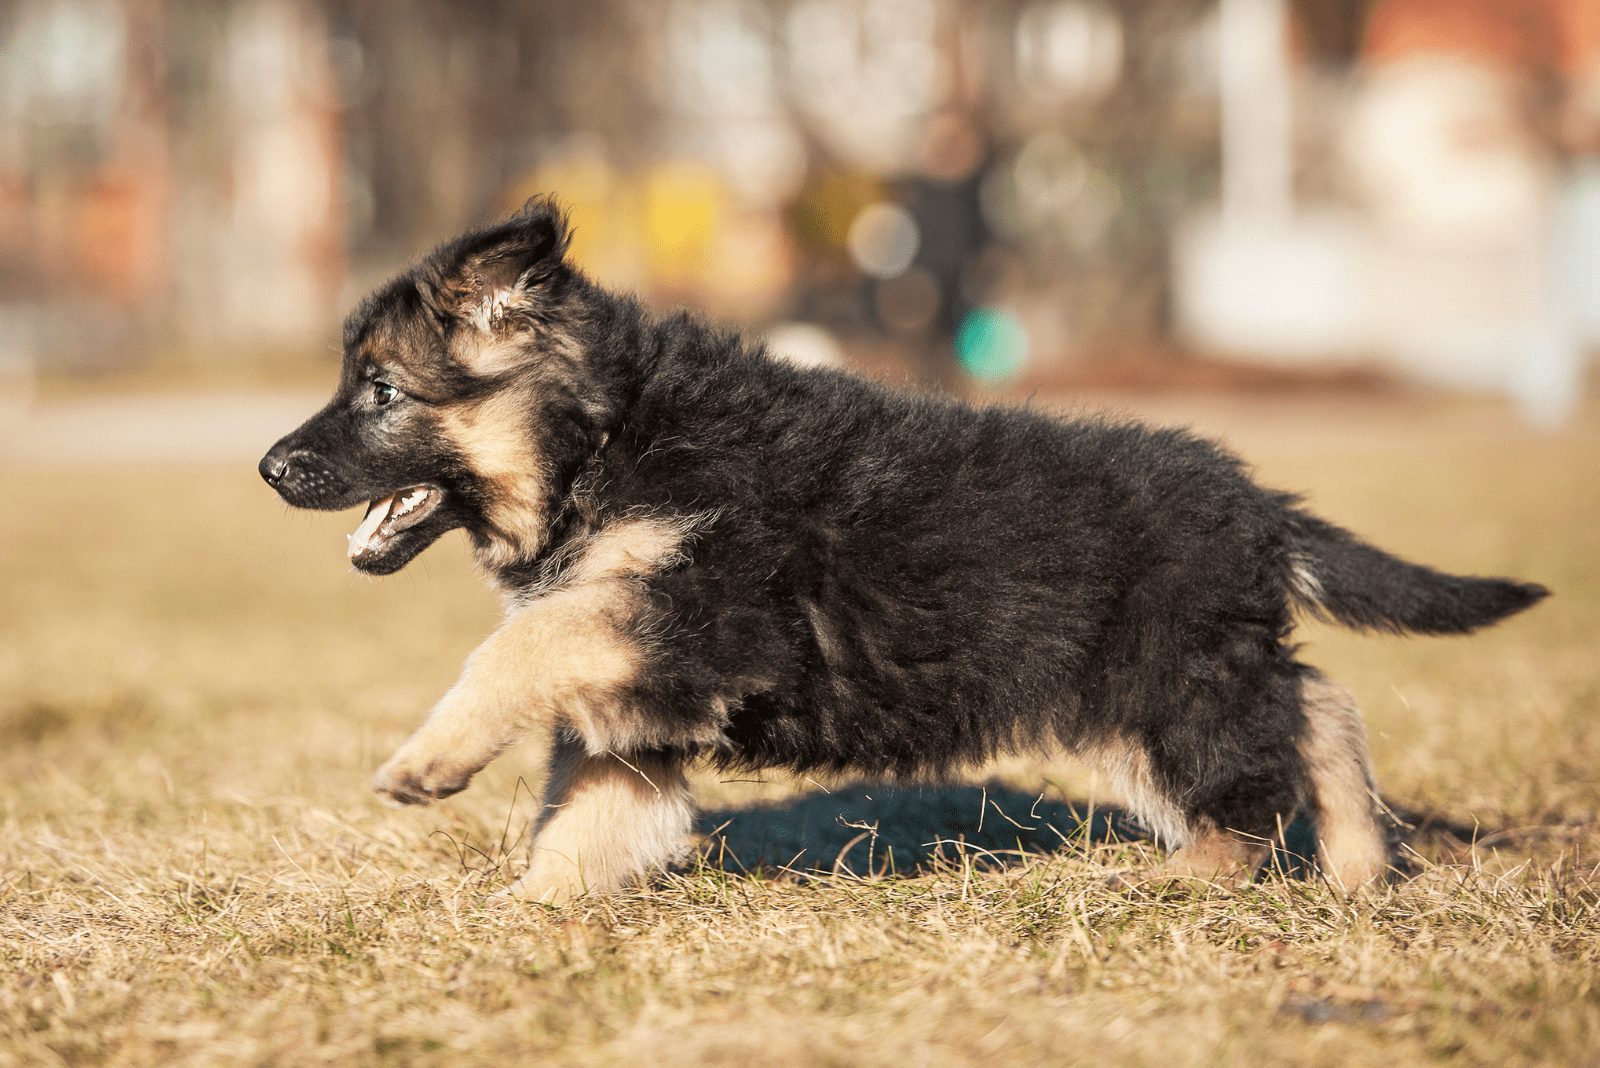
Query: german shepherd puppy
{"x":707,"y":553}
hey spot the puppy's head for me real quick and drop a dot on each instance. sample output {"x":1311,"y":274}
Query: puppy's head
{"x":453,"y":402}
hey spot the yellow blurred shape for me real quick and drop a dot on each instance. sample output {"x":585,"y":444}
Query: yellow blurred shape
{"x":603,"y":210}
{"x":683,"y":211}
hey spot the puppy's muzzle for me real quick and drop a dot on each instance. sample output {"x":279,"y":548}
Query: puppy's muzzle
{"x":303,"y":479}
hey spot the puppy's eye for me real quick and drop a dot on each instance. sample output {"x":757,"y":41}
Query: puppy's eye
{"x":383,"y":393}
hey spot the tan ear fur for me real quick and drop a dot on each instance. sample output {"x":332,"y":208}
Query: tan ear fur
{"x":489,"y":279}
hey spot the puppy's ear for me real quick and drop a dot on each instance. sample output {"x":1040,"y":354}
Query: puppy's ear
{"x":489,"y":278}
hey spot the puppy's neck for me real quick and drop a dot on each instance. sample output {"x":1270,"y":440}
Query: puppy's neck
{"x":536,"y":567}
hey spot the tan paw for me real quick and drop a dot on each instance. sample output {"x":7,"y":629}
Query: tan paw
{"x":407,"y":780}
{"x":544,"y":888}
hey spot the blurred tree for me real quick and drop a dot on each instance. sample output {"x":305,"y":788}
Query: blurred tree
{"x":450,"y":103}
{"x":1151,"y":154}
{"x":1332,"y":31}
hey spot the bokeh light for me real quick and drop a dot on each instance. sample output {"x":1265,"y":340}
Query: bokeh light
{"x":991,"y":345}
{"x":883,"y":239}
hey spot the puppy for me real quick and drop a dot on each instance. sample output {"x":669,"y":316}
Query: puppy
{"x":709,"y":554}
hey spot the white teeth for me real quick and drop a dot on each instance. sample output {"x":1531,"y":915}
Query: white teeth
{"x":377,"y":512}
{"x":380,"y":512}
{"x":410,"y":501}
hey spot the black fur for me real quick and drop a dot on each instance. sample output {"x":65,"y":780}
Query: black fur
{"x":888,"y":583}
{"x":1366,"y":588}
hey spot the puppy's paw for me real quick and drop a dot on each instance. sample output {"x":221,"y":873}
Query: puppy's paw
{"x":408,"y":781}
{"x":544,"y":888}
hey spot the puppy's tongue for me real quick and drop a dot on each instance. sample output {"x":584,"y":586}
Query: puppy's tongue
{"x":377,"y":512}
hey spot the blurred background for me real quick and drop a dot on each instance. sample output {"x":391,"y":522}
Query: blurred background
{"x":1012,"y":195}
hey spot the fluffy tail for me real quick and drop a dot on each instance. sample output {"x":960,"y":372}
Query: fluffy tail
{"x":1339,"y":576}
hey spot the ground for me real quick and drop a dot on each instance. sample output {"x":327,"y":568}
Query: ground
{"x":195,"y":690}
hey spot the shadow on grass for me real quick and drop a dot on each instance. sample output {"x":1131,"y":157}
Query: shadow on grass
{"x":874,"y":828}
{"x":867,"y":828}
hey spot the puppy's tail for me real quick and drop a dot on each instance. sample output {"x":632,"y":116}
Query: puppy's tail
{"x":1336,"y":575}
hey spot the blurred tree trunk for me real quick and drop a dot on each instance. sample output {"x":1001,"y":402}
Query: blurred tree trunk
{"x":1332,"y":30}
{"x":1159,"y":159}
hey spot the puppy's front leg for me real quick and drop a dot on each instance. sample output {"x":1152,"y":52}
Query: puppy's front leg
{"x":562,"y":654}
{"x":466,"y":729}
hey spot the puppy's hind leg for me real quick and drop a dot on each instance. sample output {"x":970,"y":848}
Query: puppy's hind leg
{"x":1350,"y":848}
{"x":607,"y":822}
{"x":1216,"y":855}
{"x":1200,"y":850}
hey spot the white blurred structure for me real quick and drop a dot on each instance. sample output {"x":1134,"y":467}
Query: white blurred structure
{"x":1460,"y":257}
{"x":805,"y":344}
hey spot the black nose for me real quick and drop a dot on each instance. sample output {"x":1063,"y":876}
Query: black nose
{"x":274,"y":465}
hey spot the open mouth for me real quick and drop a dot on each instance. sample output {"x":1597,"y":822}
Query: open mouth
{"x":387,"y":517}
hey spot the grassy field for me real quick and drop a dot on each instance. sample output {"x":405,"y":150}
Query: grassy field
{"x":194,"y":691}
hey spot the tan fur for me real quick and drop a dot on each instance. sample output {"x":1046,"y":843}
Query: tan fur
{"x":492,"y":434}
{"x":485,"y":352}
{"x":827,"y":642}
{"x":1351,"y":850}
{"x":1128,"y":767}
{"x":1216,"y":856}
{"x":566,"y":657}
{"x":490,"y":308}
{"x":606,"y":823}
{"x":1304,"y":583}
{"x":632,"y":547}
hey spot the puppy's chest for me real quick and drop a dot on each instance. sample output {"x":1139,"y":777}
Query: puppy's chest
{"x":624,"y":548}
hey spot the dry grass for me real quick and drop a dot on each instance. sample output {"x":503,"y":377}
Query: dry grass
{"x":194,"y":692}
